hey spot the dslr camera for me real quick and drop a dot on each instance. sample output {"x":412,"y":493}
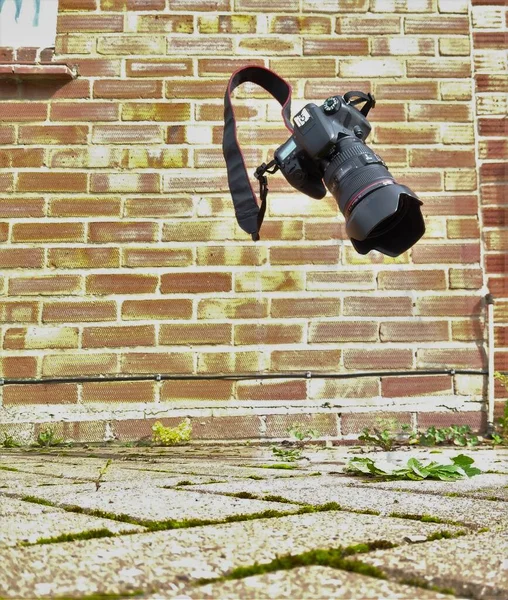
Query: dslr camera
{"x":328,"y":148}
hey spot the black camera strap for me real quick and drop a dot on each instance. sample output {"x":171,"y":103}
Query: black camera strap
{"x":249,"y":213}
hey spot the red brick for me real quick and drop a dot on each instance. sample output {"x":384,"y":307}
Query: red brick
{"x":439,"y":67}
{"x":157,"y":362}
{"x":491,"y":40}
{"x":45,"y":394}
{"x":336,"y":46}
{"x":70,"y":5}
{"x":305,"y":307}
{"x":195,"y":283}
{"x":491,"y":126}
{"x":74,"y":431}
{"x":491,"y":82}
{"x":421,"y":385}
{"x":39,"y":181}
{"x":90,"y":23}
{"x":445,"y":112}
{"x":444,"y":254}
{"x":97,"y":67}
{"x":18,"y":366}
{"x":494,"y":194}
{"x":48,"y":232}
{"x":83,"y":111}
{"x":268,"y":333}
{"x":464,"y":358}
{"x":305,"y":360}
{"x":378,"y":359}
{"x":6,"y":182}
{"x":476,"y":420}
{"x":463,"y":228}
{"x":495,"y":217}
{"x":268,"y":390}
{"x":406,"y":134}
{"x":324,"y":231}
{"x":230,"y":362}
{"x":4,"y":232}
{"x":131,"y":88}
{"x":198,"y":89}
{"x":453,"y":205}
{"x":7,"y":134}
{"x":368,"y":25}
{"x":156,"y":309}
{"x":279,"y":426}
{"x":45,"y":285}
{"x":195,"y":334}
{"x":13,"y":112}
{"x":378,"y":307}
{"x":448,"y":306}
{"x":413,"y":90}
{"x":197,"y":390}
{"x":498,"y":286}
{"x":77,"y":312}
{"x":445,"y":24}
{"x":466,"y":279}
{"x":414,"y":331}
{"x":118,"y":337}
{"x":296,"y":255}
{"x":118,"y":391}
{"x":117,"y":283}
{"x":412,"y":279}
{"x":21,"y":258}
{"x":21,"y":157}
{"x":356,"y":422}
{"x":75,"y":206}
{"x":493,"y":172}
{"x":442,"y":158}
{"x":343,"y":331}
{"x":219,"y":428}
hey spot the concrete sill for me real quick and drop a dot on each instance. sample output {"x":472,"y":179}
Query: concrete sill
{"x":37,"y":71}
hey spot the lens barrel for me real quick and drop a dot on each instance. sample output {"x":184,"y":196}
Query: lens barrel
{"x":380,"y":213}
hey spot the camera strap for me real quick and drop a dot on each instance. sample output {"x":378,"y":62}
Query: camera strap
{"x":249,"y":213}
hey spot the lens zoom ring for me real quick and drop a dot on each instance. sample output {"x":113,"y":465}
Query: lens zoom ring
{"x":349,"y":153}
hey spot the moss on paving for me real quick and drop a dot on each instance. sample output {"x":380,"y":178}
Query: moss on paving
{"x":336,"y":558}
{"x":71,"y":537}
{"x":3,"y":468}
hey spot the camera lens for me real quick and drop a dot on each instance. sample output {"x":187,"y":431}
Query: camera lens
{"x":380,"y":213}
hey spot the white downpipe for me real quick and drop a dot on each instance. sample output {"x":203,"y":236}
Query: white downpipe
{"x":490,"y":341}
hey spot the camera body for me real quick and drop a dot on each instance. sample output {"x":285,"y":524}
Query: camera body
{"x":317,"y":129}
{"x":328,"y":151}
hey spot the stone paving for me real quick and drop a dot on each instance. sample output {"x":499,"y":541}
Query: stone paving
{"x":226,"y":521}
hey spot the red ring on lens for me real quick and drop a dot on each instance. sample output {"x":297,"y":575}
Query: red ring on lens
{"x":363,"y":192}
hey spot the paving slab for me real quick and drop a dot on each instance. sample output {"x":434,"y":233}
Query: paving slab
{"x":154,"y":561}
{"x":18,"y":481}
{"x":154,"y":503}
{"x":308,"y":582}
{"x":12,"y":507}
{"x":321,"y":490}
{"x":33,"y":527}
{"x":473,"y":566}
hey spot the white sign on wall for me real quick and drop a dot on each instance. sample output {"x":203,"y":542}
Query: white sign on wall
{"x":29,"y":23}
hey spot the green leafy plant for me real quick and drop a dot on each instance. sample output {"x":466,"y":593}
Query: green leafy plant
{"x":169,"y":436}
{"x":415,"y":470}
{"x":10,"y":442}
{"x":382,"y":438}
{"x":301,"y":434}
{"x":48,"y":438}
{"x":457,"y":435}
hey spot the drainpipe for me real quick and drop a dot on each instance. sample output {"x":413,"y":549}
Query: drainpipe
{"x":489,"y":299}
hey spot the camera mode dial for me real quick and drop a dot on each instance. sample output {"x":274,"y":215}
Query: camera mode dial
{"x":331,"y":105}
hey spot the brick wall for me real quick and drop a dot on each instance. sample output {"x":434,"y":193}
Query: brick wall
{"x":490,"y":40}
{"x":120,"y":254}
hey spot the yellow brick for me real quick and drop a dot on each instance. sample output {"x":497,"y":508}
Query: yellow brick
{"x":487,"y":17}
{"x":491,"y":61}
{"x":230,"y":362}
{"x":301,"y":205}
{"x":453,"y":6}
{"x":455,"y":90}
{"x":459,"y":46}
{"x":371,"y":67}
{"x":269,"y":281}
{"x":457,"y":133}
{"x":491,"y":104}
{"x":33,"y":338}
{"x":227,"y":24}
{"x":158,"y":158}
{"x":460,"y":180}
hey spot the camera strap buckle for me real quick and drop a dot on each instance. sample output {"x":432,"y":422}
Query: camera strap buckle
{"x":263,"y":191}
